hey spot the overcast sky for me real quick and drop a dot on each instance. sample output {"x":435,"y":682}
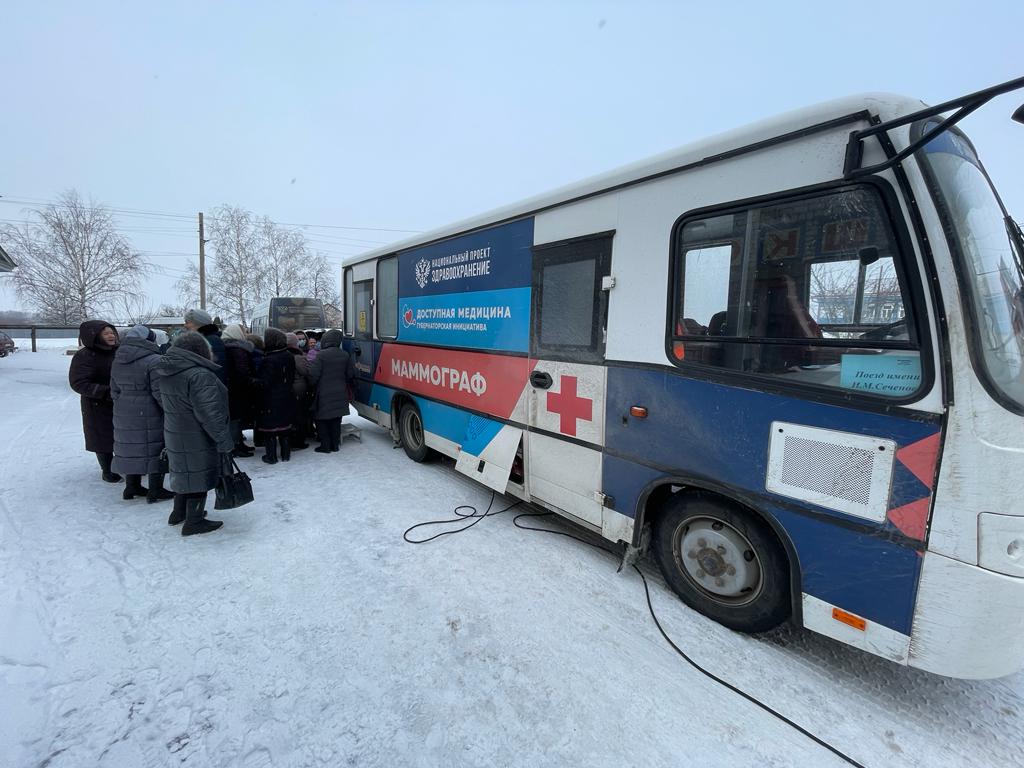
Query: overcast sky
{"x":408,"y":116}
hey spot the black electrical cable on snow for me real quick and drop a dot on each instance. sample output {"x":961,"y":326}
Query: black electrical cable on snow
{"x":650,"y":606}
{"x":473,"y":515}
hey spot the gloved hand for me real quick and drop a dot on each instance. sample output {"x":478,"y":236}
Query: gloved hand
{"x":227,"y":466}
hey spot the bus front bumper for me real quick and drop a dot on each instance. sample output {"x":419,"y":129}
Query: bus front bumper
{"x":969,"y":621}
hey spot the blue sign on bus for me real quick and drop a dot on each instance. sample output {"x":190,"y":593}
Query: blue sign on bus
{"x":472,"y":291}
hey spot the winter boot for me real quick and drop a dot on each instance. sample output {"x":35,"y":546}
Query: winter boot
{"x":178,"y":513}
{"x":270,"y":443}
{"x":157,"y":492}
{"x":242,"y":451}
{"x":104,"y":460}
{"x":195,"y":518}
{"x":286,"y":448}
{"x":335,"y":435}
{"x":323,"y":431}
{"x":133,"y":487}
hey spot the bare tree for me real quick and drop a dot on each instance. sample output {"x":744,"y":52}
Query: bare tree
{"x":283,"y":255}
{"x":322,"y":280}
{"x":73,"y":264}
{"x":187,"y":287}
{"x":235,"y":284}
{"x":134,"y":309}
{"x":254,"y":259}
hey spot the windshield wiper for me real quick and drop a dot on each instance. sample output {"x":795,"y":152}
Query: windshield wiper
{"x":1013,"y":231}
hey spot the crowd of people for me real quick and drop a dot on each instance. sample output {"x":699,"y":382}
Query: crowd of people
{"x":179,"y":408}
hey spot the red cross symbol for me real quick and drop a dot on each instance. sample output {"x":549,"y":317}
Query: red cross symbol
{"x":569,"y":407}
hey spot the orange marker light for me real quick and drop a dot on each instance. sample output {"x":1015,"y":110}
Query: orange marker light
{"x":848,"y":618}
{"x":638,"y":411}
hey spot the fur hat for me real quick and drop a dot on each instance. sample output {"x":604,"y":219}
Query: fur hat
{"x":274,"y":338}
{"x":293,"y":340}
{"x":193,"y":342}
{"x":198,"y":317}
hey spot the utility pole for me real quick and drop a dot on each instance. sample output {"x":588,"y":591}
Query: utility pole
{"x":202,"y":264}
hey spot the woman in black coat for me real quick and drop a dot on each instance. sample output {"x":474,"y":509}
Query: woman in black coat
{"x":138,"y":415}
{"x":332,"y":372}
{"x":243,"y":384}
{"x":89,"y":376}
{"x":277,"y":404}
{"x":195,"y":429}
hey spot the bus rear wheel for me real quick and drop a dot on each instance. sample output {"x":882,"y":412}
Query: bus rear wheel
{"x":723,"y":562}
{"x":410,"y":429}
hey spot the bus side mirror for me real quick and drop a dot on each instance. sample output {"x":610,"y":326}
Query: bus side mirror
{"x":1018,"y":114}
{"x":868,"y":255}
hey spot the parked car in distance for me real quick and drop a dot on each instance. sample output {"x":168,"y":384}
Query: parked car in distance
{"x":7,"y":345}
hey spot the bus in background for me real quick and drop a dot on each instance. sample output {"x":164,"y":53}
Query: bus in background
{"x":788,"y":361}
{"x":289,"y":314}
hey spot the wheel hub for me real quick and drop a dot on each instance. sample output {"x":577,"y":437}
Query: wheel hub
{"x":719,"y":560}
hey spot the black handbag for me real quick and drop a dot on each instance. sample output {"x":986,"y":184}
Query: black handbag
{"x":164,"y":466}
{"x":234,"y":489}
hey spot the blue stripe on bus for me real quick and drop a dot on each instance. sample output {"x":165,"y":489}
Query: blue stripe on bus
{"x":471,"y":432}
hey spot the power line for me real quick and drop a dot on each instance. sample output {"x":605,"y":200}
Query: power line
{"x":42,"y":202}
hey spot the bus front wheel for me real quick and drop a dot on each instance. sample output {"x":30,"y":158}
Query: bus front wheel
{"x":723,"y":562}
{"x":410,"y":428}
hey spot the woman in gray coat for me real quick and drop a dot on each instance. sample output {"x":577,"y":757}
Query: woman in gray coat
{"x":138,"y":415}
{"x":196,"y":429}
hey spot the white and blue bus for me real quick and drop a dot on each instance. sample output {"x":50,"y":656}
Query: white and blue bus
{"x":788,"y":361}
{"x":288,"y":314}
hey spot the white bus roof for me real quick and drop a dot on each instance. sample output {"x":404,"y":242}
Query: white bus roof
{"x":886,"y":105}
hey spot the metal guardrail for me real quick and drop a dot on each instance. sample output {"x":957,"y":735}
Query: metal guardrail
{"x":40,"y":327}
{"x":34,"y":328}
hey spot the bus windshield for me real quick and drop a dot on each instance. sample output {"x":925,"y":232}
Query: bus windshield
{"x":988,"y":245}
{"x":296,"y":314}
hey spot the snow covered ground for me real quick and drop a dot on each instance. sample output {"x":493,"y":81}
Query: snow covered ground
{"x":307,"y":633}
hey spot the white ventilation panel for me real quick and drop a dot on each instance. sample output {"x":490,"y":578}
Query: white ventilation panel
{"x":836,"y":470}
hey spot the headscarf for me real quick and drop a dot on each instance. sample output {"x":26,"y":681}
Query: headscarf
{"x":233,"y":331}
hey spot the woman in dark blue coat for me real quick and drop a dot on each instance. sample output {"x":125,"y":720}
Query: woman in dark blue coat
{"x":89,"y":376}
{"x":196,"y":429}
{"x":138,"y":415}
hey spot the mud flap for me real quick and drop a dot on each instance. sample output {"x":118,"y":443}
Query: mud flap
{"x":493,"y":465}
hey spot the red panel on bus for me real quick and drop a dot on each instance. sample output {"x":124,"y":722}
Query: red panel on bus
{"x":481,"y":382}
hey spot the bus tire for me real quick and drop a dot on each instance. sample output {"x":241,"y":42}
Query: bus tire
{"x":723,"y":562}
{"x":410,"y":429}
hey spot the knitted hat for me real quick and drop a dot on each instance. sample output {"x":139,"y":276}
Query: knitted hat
{"x":138,"y":332}
{"x":198,"y":317}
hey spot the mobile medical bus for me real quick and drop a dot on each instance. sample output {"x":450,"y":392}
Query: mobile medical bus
{"x":788,"y":360}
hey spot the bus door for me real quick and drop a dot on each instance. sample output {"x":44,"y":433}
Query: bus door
{"x":359,"y":327}
{"x":566,"y":391}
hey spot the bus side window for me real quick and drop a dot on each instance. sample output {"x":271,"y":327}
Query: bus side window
{"x":387,"y":297}
{"x":811,"y":288}
{"x":569,"y":307}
